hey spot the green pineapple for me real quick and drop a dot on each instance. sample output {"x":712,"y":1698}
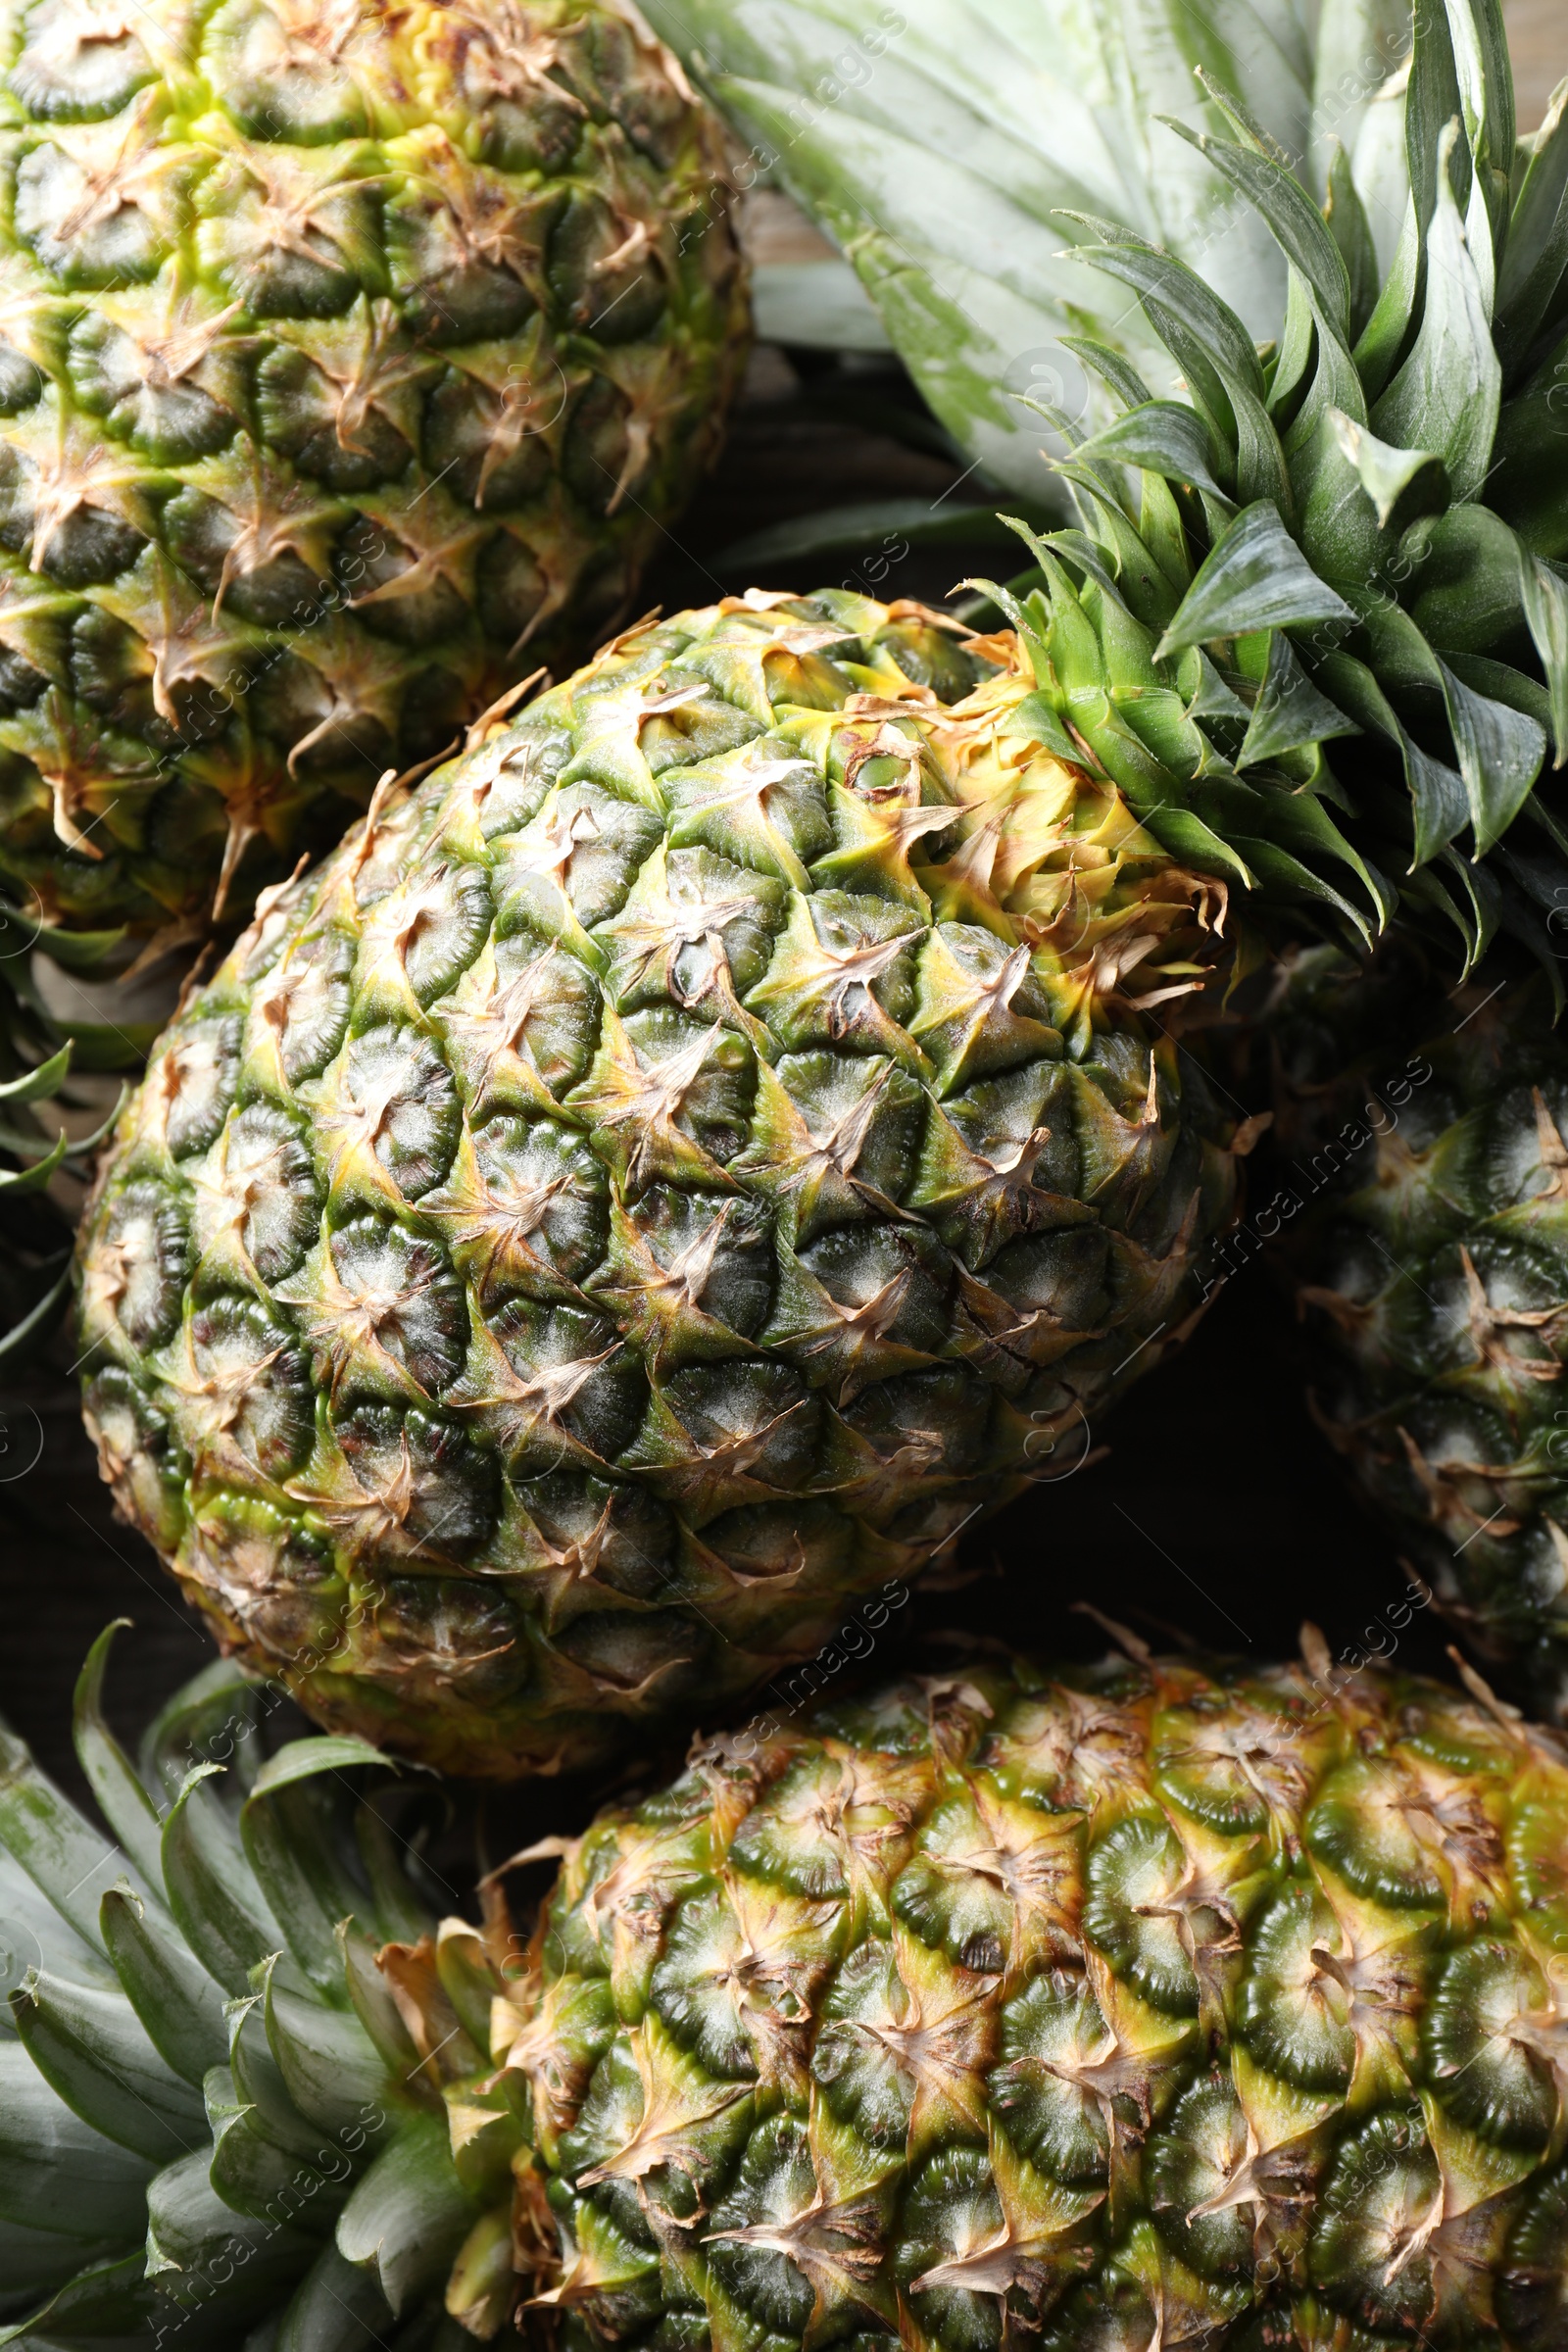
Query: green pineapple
{"x":1137,"y":2007}
{"x":1427,"y":1253}
{"x":657,"y":1183}
{"x":351,"y":359}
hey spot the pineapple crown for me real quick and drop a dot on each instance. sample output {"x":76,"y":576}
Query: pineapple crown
{"x":1342,"y":536}
{"x":210,"y":2105}
{"x":1352,"y":536}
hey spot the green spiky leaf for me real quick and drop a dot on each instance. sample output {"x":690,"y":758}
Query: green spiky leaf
{"x":1256,"y":578}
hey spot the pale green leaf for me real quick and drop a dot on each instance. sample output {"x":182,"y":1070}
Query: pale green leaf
{"x":1383,"y":339}
{"x":55,"y":2172}
{"x":1544,"y":593}
{"x":331,"y":2067}
{"x":195,"y":2242}
{"x":180,"y":2007}
{"x":108,"y":2299}
{"x":35,"y":1178}
{"x":1298,"y":228}
{"x":69,"y":1860}
{"x":1161,"y":278}
{"x":409,"y":2213}
{"x":1536,"y":255}
{"x":93,"y":2048}
{"x":213,"y":1893}
{"x":35,"y":1086}
{"x":335,"y":2308}
{"x":1347,"y":225}
{"x":122,"y":1799}
{"x":1446,"y":396}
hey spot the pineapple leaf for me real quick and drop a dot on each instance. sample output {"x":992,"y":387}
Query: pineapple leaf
{"x":256,"y":2170}
{"x":34,"y":1179}
{"x":1446,"y":396}
{"x":122,"y":1799}
{"x":935,"y":147}
{"x":1122,"y":379}
{"x":55,"y":2172}
{"x":1536,"y":255}
{"x":1185,"y":835}
{"x":1385,"y":474}
{"x":109,"y":2299}
{"x":331,"y":2067}
{"x":38,"y":1935}
{"x":326,"y":1752}
{"x":210,"y":1718}
{"x":1501,"y":754}
{"x":177,"y":2000}
{"x":409,"y":2214}
{"x":1351,"y":231}
{"x":93,"y":2048}
{"x":1291,"y":879}
{"x":61,"y":1853}
{"x":213,"y":1893}
{"x":35,"y":1086}
{"x":1289,"y":711}
{"x":1256,"y":578}
{"x":1297,"y":226}
{"x":336,"y":2307}
{"x":1383,"y":340}
{"x":1544,"y":594}
{"x":1163,"y":437}
{"x":1178,"y":290}
{"x":77,"y":951}
{"x":190,"y":2229}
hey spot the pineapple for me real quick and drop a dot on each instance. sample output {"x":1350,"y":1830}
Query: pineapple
{"x":351,"y":357}
{"x":658,"y":1182}
{"x":1426,"y":1250}
{"x":1134,"y":2007}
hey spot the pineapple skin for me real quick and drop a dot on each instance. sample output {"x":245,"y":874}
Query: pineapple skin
{"x":656,"y":1185}
{"x":1151,"y":2005}
{"x":1429,"y":1277}
{"x":351,"y":359}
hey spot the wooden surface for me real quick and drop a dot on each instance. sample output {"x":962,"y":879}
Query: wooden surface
{"x":1219,"y":1512}
{"x":1538,"y":34}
